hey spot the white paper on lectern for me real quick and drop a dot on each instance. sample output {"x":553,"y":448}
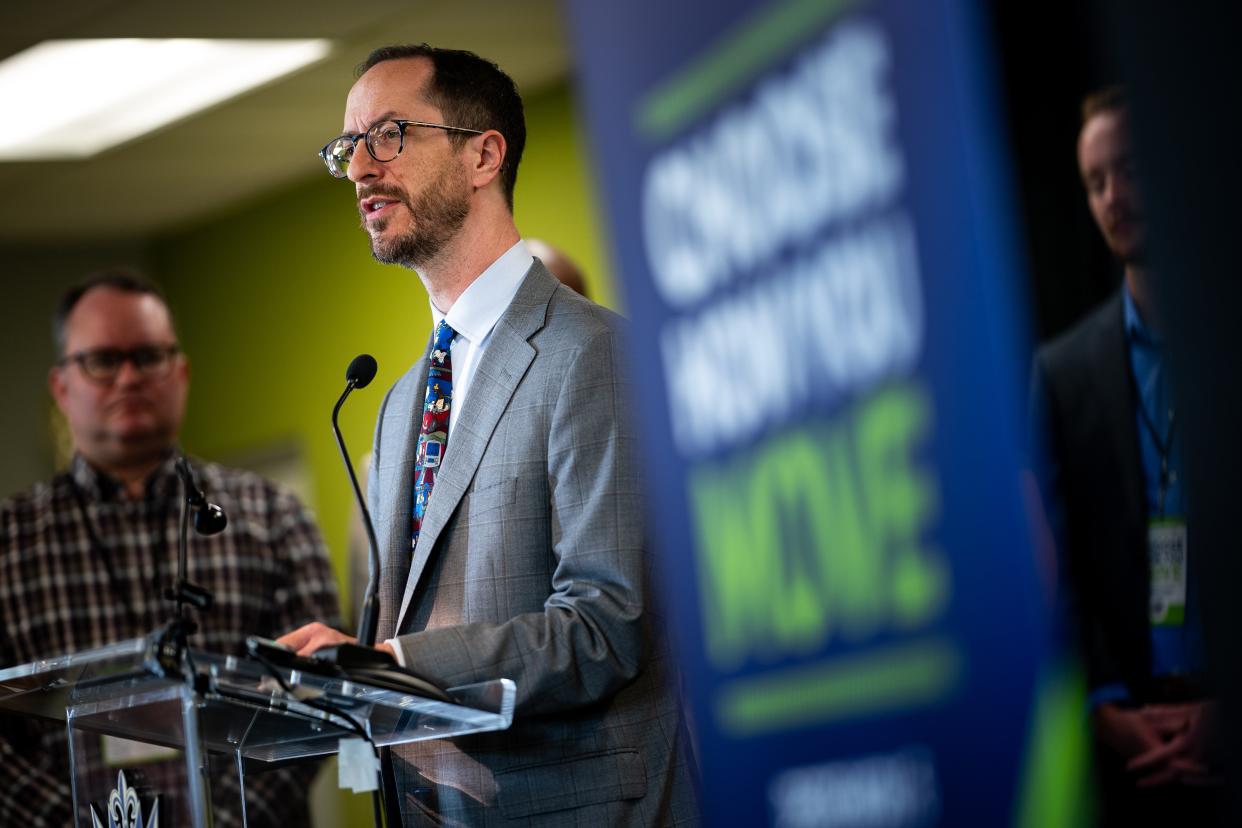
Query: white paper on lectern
{"x":357,"y":766}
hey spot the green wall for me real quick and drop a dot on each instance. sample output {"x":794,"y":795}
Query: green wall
{"x":274,"y":300}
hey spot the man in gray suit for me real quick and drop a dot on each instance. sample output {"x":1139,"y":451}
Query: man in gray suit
{"x":510,"y":517}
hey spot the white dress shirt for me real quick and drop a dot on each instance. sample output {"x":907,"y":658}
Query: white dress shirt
{"x":473,"y":316}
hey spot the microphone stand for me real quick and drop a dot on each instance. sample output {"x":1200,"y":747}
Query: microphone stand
{"x":359,"y":375}
{"x":363,"y":654}
{"x":368,"y":616}
{"x":171,"y":646}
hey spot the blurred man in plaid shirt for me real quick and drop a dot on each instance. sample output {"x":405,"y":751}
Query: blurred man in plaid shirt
{"x":86,"y":556}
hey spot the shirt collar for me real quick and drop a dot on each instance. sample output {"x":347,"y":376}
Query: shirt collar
{"x":101,"y":486}
{"x":1136,"y":328}
{"x":480,"y":306}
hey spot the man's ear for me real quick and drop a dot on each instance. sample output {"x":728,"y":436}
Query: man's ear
{"x":488,"y":158}
{"x":56,"y":386}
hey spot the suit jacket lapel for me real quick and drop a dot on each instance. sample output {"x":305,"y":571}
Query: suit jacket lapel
{"x":495,"y":378}
{"x":402,"y":418}
{"x":1117,"y":393}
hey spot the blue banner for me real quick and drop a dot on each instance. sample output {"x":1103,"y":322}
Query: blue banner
{"x":808,"y":209}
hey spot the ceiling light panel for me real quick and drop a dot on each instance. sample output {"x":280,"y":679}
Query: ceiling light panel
{"x":67,"y":99}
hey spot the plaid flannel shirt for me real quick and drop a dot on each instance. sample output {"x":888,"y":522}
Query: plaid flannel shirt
{"x":59,"y":540}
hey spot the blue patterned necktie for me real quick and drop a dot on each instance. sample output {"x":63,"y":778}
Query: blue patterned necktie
{"x":433,"y":433}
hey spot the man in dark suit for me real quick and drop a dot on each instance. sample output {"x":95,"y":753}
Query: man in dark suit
{"x":1102,"y":394}
{"x":507,"y":502}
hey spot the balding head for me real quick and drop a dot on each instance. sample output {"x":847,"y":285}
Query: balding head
{"x":560,"y":265}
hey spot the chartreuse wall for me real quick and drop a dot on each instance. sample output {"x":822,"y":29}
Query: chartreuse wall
{"x":275,"y":299}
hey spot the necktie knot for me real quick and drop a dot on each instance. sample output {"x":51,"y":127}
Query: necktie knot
{"x":444,"y":339}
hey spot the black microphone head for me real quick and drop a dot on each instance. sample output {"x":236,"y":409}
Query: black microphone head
{"x":210,"y":520}
{"x":361,"y":371}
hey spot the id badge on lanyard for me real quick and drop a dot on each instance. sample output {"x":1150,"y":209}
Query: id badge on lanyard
{"x":1166,"y":550}
{"x":1166,"y":538}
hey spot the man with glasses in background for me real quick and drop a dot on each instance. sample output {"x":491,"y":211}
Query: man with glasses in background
{"x":507,"y":500}
{"x":85,"y":558}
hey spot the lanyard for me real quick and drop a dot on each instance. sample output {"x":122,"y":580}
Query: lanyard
{"x":121,"y":596}
{"x":1163,"y":447}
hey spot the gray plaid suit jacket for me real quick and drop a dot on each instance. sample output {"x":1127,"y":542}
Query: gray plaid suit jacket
{"x":530,"y":566}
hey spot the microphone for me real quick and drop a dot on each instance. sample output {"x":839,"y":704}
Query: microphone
{"x":209,"y":519}
{"x":359,"y":375}
{"x":360,"y":372}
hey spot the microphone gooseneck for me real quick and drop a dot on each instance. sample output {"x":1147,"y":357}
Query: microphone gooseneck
{"x":209,"y":519}
{"x":359,"y":374}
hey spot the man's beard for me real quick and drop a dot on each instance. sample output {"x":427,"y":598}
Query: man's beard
{"x":1132,"y":253}
{"x":1126,"y":236}
{"x":438,"y":213}
{"x":114,"y":452}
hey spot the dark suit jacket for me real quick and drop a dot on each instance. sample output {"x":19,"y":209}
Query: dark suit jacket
{"x":1082,"y":393}
{"x":530,"y":566}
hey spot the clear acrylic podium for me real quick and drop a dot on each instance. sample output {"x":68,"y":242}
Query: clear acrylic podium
{"x":235,"y":707}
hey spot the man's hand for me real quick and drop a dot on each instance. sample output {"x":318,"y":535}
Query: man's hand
{"x":1168,"y":720}
{"x":1134,"y":736}
{"x":1128,"y":732}
{"x":1161,"y":744}
{"x":312,"y":637}
{"x":1203,"y":751}
{"x":1165,"y":764}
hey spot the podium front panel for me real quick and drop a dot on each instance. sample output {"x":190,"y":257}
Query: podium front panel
{"x":139,"y":757}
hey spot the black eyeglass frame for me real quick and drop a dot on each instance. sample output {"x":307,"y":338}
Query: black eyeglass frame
{"x":143,"y":358}
{"x":365,"y":137}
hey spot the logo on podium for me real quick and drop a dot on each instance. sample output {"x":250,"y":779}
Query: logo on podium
{"x":124,"y":810}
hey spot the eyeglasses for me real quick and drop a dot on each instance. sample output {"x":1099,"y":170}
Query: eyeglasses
{"x":104,"y":364}
{"x":384,"y":141}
